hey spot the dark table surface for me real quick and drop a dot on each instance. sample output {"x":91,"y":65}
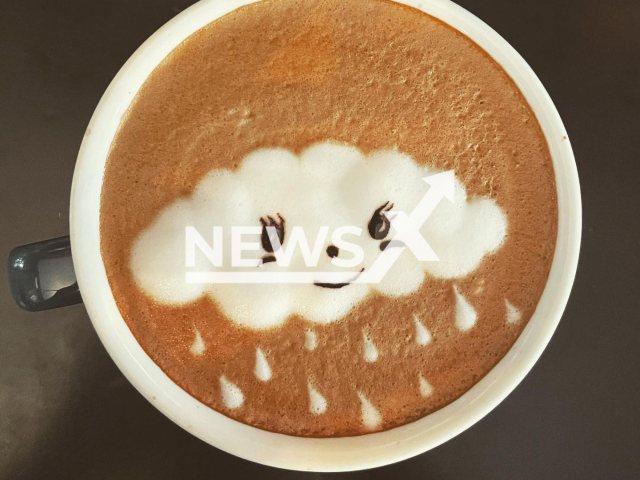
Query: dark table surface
{"x":66,"y":412}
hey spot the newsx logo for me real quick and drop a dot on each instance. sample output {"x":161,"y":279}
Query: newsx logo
{"x":407,"y":236}
{"x":283,"y":255}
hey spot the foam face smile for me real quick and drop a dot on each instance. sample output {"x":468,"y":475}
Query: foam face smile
{"x":338,"y":285}
{"x":328,"y":185}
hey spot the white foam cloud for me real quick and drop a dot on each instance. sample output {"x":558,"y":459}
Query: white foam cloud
{"x":328,"y":184}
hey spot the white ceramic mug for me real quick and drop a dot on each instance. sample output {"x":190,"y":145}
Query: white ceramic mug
{"x":316,"y":454}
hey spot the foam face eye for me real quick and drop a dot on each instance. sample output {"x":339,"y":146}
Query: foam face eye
{"x":379,"y":224}
{"x":270,"y":221}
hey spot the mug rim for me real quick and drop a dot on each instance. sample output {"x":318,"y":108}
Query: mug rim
{"x":303,"y":453}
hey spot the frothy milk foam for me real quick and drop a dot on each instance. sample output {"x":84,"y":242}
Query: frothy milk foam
{"x":328,"y":184}
{"x":321,"y":114}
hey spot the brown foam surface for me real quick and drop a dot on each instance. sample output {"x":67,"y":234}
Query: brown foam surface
{"x":375,"y":75}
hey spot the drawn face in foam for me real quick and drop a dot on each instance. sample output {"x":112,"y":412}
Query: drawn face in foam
{"x":327,"y":185}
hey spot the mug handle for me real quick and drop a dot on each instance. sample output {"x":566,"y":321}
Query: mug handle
{"x":41,"y":275}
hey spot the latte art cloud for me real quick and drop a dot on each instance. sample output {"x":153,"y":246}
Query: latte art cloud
{"x":327,"y":185}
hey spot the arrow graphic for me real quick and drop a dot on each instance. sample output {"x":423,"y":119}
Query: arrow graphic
{"x":407,"y":228}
